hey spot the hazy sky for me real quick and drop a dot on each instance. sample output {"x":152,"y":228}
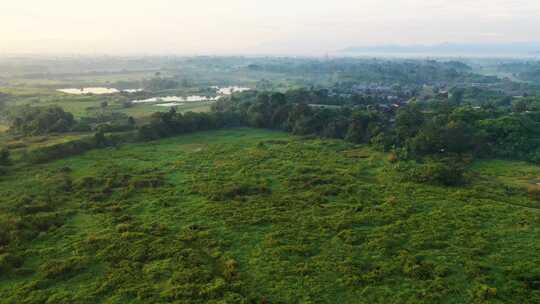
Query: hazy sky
{"x":256,"y":26}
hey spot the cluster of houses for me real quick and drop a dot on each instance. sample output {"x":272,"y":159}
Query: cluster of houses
{"x":392,"y":97}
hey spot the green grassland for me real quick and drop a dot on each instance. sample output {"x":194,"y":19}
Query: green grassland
{"x":254,"y":216}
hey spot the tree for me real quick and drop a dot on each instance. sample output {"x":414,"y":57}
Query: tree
{"x":357,"y":131}
{"x":336,"y":128}
{"x":278,"y":99}
{"x":458,"y":137}
{"x":519,"y":106}
{"x":131,"y":121}
{"x":260,"y":112}
{"x":279,"y":116}
{"x":456,"y":97}
{"x":100,"y":138}
{"x":299,"y":112}
{"x":409,"y":120}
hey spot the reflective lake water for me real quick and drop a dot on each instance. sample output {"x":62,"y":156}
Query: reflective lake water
{"x":170,"y":104}
{"x":193,"y":98}
{"x":171,"y":101}
{"x":166,"y":101}
{"x":230,"y":90}
{"x":96,"y":91}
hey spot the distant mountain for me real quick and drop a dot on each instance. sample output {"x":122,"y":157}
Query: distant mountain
{"x":448,"y":49}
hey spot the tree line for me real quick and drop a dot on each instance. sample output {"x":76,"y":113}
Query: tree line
{"x":441,"y":128}
{"x":445,"y":129}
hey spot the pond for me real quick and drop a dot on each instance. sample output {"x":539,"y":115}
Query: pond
{"x":171,"y":101}
{"x":230,"y":90}
{"x":170,"y":104}
{"x":96,"y":91}
{"x":221,"y":91}
{"x":192,"y":98}
{"x":84,"y":91}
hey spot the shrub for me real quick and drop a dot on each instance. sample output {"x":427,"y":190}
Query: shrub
{"x":62,"y":150}
{"x":234,"y":191}
{"x":528,"y":273}
{"x":230,"y":269}
{"x":534,"y":193}
{"x":36,"y":208}
{"x":147,"y":181}
{"x":115,"y":127}
{"x":393,"y":157}
{"x":441,"y":172}
{"x":64,"y":268}
{"x":5,"y":238}
{"x":81,"y":127}
{"x":482,"y":292}
{"x":446,"y":173}
{"x":76,"y":147}
{"x":8,"y":262}
{"x":4,"y":157}
{"x":43,"y":222}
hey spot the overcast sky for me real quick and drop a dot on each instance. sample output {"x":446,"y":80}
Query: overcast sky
{"x":303,"y":27}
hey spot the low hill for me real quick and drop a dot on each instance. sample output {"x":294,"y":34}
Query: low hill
{"x":253,"y":216}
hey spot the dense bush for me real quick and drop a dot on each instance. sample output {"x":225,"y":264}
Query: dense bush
{"x":4,"y":160}
{"x":447,"y":172}
{"x":30,"y":120}
{"x":4,"y":157}
{"x":63,"y":268}
{"x":76,"y":147}
{"x":62,"y":150}
{"x":9,"y":262}
{"x":172,"y":123}
{"x":114,"y":127}
{"x":238,"y":191}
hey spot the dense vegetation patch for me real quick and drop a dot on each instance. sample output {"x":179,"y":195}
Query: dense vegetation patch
{"x":251,"y":216}
{"x":41,"y":120}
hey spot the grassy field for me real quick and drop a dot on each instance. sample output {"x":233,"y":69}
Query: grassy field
{"x":253,"y":216}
